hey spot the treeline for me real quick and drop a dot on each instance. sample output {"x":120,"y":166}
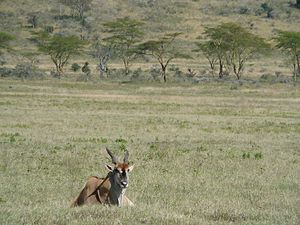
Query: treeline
{"x":227,"y":46}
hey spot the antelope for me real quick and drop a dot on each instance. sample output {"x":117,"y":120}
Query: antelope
{"x":109,"y":190}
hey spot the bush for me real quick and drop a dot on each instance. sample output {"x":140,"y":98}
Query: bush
{"x":267,"y":77}
{"x":24,"y":71}
{"x":75,"y":67}
{"x":155,"y":72}
{"x":49,"y":29}
{"x":244,"y":10}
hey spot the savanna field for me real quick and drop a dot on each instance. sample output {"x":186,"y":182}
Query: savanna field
{"x":213,"y":153}
{"x":205,"y":96}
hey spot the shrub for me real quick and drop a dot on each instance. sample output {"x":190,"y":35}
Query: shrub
{"x":75,"y":67}
{"x":49,"y":29}
{"x":24,"y":71}
{"x":258,"y":155}
{"x":155,"y":73}
{"x":244,"y":10}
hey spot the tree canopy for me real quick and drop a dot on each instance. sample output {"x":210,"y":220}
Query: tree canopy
{"x":124,"y":34}
{"x":233,"y":45}
{"x":289,"y":43}
{"x":60,"y":49}
{"x":162,"y":50}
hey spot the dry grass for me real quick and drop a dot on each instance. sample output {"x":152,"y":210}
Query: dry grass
{"x":203,"y":154}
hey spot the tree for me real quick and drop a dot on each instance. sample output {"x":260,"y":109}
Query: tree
{"x":124,"y":33}
{"x":242,"y":45}
{"x":33,"y":19}
{"x":103,"y":54}
{"x":289,"y":43}
{"x":60,"y":49}
{"x":217,"y":46}
{"x":208,"y":49}
{"x":233,"y":45}
{"x":163,"y":50}
{"x":78,"y":6}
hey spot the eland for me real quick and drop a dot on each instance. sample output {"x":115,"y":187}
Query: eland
{"x":109,"y":190}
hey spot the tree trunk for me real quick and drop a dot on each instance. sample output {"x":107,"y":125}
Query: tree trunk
{"x":57,"y":67}
{"x":126,"y":65}
{"x":212,"y":67}
{"x":237,"y":71}
{"x":163,"y":72}
{"x":221,"y":69}
{"x":298,"y":63}
{"x":298,"y":3}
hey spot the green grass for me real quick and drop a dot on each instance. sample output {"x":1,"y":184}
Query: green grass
{"x":203,"y":154}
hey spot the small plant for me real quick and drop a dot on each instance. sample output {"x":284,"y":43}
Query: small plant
{"x":104,"y":140}
{"x":258,"y":155}
{"x":49,"y":29}
{"x":75,"y":67}
{"x":246,"y":155}
{"x":122,"y":143}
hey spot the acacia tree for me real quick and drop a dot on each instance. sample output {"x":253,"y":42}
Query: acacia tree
{"x":124,"y":34}
{"x":163,"y":50}
{"x":60,"y":49}
{"x":216,"y":47}
{"x":289,"y":43}
{"x":78,"y":6}
{"x":232,"y":45}
{"x":208,"y":49}
{"x":242,"y":45}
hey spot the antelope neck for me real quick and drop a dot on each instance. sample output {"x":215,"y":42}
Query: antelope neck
{"x":116,"y":192}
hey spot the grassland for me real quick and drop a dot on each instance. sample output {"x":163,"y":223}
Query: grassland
{"x":203,"y":154}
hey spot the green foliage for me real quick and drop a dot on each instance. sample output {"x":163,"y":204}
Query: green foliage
{"x":5,"y":38}
{"x":75,"y":67}
{"x":257,"y":155}
{"x":124,"y":34}
{"x":289,"y":43}
{"x":60,"y":49}
{"x":210,"y":50}
{"x":163,"y":50}
{"x":231,"y":43}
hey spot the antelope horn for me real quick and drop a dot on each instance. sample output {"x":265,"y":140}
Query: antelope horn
{"x":113,"y":158}
{"x":126,"y":156}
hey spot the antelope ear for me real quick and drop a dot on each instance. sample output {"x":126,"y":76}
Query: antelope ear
{"x":109,"y":167}
{"x":130,"y":168}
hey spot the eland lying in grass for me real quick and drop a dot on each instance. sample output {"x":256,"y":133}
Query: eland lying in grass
{"x":109,"y":190}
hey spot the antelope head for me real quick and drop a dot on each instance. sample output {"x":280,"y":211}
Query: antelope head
{"x":119,"y":171}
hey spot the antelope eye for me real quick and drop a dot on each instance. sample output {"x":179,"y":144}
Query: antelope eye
{"x":118,"y":171}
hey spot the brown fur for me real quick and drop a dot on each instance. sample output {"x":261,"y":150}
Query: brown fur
{"x":96,"y":192}
{"x":109,"y":190}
